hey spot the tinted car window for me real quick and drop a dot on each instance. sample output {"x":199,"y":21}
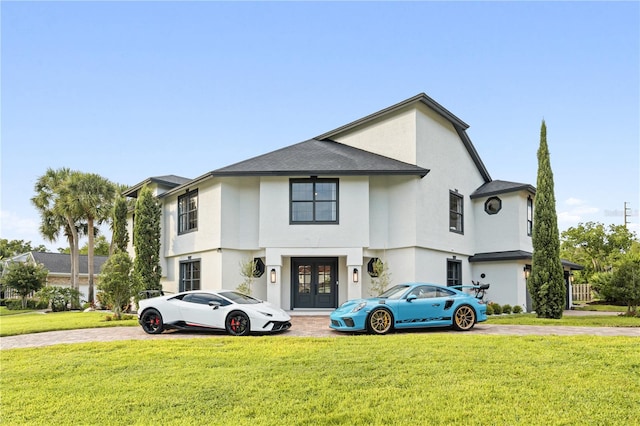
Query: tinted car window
{"x":240,"y":298}
{"x":395,"y":292}
{"x":204,"y":299}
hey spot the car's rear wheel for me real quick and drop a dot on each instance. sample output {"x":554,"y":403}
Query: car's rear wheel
{"x":151,"y":321}
{"x":464,"y":318}
{"x":380,"y":321}
{"x":238,"y":324}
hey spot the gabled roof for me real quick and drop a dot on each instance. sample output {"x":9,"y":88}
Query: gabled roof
{"x":166,"y":181}
{"x":422,"y":98}
{"x":60,"y":263}
{"x":316,"y":158}
{"x":496,"y":187}
{"x":515,"y":255}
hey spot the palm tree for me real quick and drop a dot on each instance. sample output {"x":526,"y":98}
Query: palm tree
{"x":53,"y":201}
{"x":92,"y":197}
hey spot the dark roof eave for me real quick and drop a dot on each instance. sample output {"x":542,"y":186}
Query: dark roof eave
{"x":528,"y":188}
{"x":257,"y":173}
{"x":516,"y":255}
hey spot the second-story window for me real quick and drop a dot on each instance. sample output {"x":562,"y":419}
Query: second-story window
{"x":456,"y":222}
{"x":529,"y":216}
{"x":188,"y":212}
{"x":313,"y":201}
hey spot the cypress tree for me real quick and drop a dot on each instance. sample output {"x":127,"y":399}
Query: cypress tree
{"x":120,"y":238}
{"x":546,"y":283}
{"x":146,"y":239}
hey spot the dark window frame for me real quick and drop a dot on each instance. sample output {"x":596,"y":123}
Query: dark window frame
{"x":529,"y":216}
{"x":314,"y":201}
{"x":455,"y":278}
{"x":194,"y":282}
{"x":459,"y":214}
{"x":487,"y":204}
{"x":188,"y":220}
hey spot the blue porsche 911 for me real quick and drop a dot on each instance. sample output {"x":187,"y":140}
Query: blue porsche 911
{"x":413,"y":305}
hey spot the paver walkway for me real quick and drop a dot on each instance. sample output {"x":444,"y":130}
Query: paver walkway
{"x":302,"y":326}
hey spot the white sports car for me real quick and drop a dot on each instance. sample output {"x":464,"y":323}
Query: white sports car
{"x":228,"y":310}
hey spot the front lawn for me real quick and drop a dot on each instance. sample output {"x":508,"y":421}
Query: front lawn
{"x":567,"y":320}
{"x":36,"y":322}
{"x":398,"y":379}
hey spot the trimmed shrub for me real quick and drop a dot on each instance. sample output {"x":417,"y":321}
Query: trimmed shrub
{"x":497,"y":309}
{"x":506,"y":309}
{"x":517,"y":309}
{"x":489,"y":309}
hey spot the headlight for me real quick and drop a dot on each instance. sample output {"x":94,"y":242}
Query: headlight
{"x":359,"y":306}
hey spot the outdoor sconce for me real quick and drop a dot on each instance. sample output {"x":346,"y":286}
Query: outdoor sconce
{"x":273,"y":276}
{"x":527,"y":272}
{"x":355,"y":275}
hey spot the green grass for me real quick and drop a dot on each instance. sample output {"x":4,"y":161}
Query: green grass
{"x":580,"y":321}
{"x":5,"y":311}
{"x":36,"y":322}
{"x":599,"y":307}
{"x":354,"y":380}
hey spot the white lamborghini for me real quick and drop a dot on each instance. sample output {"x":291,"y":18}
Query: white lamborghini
{"x":237,"y":313}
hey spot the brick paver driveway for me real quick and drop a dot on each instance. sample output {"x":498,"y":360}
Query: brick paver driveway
{"x":302,"y":326}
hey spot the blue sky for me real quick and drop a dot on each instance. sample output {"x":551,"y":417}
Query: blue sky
{"x":131,"y":90}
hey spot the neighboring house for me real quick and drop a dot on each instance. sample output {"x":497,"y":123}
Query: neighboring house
{"x":59,"y":267}
{"x":404,"y":185}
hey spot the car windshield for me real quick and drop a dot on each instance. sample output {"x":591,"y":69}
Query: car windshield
{"x":395,"y":292}
{"x":239,"y":298}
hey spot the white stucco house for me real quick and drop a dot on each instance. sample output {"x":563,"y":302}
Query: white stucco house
{"x":404,"y":184}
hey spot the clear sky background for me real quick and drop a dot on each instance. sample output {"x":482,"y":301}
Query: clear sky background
{"x":131,"y":90}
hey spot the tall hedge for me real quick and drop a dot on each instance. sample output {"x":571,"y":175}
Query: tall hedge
{"x":146,"y":240}
{"x":546,"y":284}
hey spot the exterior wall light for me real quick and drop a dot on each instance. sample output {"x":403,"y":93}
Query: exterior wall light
{"x":355,"y":275}
{"x":527,"y":272}
{"x":273,"y":276}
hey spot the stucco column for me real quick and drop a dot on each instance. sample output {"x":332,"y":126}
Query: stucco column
{"x":274,"y":280}
{"x":355,"y":287}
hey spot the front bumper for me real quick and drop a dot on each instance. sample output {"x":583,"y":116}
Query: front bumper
{"x":348,"y":321}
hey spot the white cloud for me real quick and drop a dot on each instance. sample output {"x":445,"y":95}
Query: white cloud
{"x":574,"y":211}
{"x":574,"y":202}
{"x":18,"y":227}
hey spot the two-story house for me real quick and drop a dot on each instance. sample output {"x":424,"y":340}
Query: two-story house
{"x":404,"y":185}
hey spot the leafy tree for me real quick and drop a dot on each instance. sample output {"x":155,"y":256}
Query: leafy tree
{"x":24,"y":278}
{"x":102,"y":246}
{"x":146,"y":238}
{"x":118,"y":282}
{"x":625,"y":282}
{"x":93,"y":201}
{"x":248,"y":271}
{"x":382,"y":278}
{"x":546,"y":283}
{"x":120,"y":238}
{"x":595,"y":247}
{"x":10,"y":248}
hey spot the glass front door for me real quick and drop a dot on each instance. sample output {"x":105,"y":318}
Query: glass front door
{"x":315,"y":282}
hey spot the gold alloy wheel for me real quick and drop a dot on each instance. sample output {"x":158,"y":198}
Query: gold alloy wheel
{"x":464,"y":318}
{"x":380,"y":321}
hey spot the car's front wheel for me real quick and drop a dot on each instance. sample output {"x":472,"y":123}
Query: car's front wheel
{"x":151,"y":321}
{"x":380,"y":321}
{"x":464,"y":318}
{"x":238,"y":324}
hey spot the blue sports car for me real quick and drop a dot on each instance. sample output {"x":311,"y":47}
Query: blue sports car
{"x":413,"y":305}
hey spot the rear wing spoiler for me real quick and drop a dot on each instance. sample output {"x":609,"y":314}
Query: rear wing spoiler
{"x":476,"y":287}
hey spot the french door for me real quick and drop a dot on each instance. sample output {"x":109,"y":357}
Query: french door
{"x":314,"y":282}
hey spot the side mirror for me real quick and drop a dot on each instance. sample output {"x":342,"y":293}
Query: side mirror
{"x":411,"y":298}
{"x":215,"y":305}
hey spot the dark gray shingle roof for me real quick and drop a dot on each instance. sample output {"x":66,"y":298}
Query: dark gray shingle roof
{"x":166,"y":182}
{"x":60,"y":263}
{"x":496,"y":187}
{"x":316,"y":157}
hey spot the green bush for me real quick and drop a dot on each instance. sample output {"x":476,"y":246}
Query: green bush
{"x":517,"y":309}
{"x":497,"y":309}
{"x":490,"y":309}
{"x":16,"y":304}
{"x":506,"y":309}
